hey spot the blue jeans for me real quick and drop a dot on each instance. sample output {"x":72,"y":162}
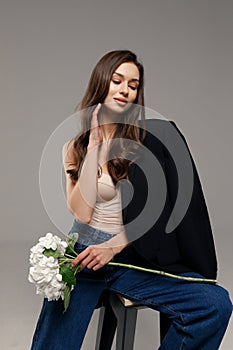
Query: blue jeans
{"x":199,"y":312}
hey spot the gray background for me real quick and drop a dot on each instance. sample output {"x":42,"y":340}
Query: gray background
{"x":48,"y":49}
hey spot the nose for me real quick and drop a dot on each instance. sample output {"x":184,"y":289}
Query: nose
{"x":124,"y":89}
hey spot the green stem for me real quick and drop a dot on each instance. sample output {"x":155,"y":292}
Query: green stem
{"x":73,"y":250}
{"x":65,"y":260}
{"x":77,"y":269}
{"x":70,"y":256}
{"x":192,"y":279}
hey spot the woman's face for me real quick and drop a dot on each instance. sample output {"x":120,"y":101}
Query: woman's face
{"x":123,"y":88}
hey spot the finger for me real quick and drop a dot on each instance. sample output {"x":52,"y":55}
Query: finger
{"x":91,"y":259}
{"x":94,"y":262}
{"x":91,"y":264}
{"x":88,"y":255}
{"x":97,"y":267}
{"x":96,"y":110}
{"x":81,"y":256}
{"x":94,"y":120}
{"x":97,"y":263}
{"x":75,"y":262}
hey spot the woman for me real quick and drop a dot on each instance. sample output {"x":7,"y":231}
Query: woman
{"x":100,"y":163}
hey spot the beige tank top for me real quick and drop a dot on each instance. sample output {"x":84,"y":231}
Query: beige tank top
{"x":107,"y":215}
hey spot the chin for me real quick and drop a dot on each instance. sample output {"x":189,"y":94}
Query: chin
{"x":114,"y":108}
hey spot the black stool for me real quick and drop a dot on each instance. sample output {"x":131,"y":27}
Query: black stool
{"x":119,"y":313}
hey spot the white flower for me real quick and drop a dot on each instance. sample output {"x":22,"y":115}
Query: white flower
{"x":51,"y":241}
{"x":44,"y":272}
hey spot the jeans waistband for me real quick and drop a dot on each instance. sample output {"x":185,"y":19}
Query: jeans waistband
{"x":89,"y":235}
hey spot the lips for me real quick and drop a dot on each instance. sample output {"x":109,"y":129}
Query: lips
{"x":121,"y":101}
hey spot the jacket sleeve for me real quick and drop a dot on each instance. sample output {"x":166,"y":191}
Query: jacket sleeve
{"x":194,"y":233}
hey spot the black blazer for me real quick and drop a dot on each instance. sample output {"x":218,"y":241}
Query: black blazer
{"x":189,"y":246}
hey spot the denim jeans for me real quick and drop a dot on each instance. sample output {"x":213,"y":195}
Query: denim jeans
{"x":199,"y":312}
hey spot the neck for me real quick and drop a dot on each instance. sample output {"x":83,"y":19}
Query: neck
{"x":108,"y":130}
{"x":108,"y":124}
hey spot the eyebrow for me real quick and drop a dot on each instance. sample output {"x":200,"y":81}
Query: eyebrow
{"x":121,"y":75}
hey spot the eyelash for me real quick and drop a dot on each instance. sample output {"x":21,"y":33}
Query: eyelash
{"x":118,"y":82}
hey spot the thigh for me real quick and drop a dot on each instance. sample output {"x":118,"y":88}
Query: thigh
{"x":175,"y":298}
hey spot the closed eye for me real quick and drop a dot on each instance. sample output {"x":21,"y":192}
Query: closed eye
{"x":116,"y":81}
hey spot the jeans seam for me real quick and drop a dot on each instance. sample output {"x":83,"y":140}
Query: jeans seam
{"x":183,"y":342}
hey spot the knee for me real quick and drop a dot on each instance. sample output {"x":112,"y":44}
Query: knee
{"x":222,"y":306}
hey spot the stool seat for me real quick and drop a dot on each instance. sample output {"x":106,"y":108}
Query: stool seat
{"x":119,"y":313}
{"x":126,"y":302}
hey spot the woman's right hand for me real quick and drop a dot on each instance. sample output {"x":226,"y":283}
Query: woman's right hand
{"x":95,"y":137}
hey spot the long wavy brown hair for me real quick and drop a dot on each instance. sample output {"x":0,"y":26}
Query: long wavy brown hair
{"x":122,"y":152}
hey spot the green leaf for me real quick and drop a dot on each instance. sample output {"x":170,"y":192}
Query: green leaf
{"x":67,"y":293}
{"x":73,"y":238}
{"x":68,"y":275}
{"x":50,"y":252}
{"x":70,"y":250}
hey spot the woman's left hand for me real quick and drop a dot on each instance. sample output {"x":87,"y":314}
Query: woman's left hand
{"x":94,"y":257}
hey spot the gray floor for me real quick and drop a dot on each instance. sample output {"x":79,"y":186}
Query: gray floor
{"x":20,"y":307}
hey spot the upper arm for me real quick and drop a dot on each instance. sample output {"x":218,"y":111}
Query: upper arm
{"x":75,"y":202}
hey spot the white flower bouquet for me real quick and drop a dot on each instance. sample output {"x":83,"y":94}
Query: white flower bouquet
{"x":51,"y":270}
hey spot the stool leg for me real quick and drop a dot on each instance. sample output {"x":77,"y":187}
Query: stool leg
{"x":126,"y":324}
{"x":164,"y":325}
{"x":106,"y":328}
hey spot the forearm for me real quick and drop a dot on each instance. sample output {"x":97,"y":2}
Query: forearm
{"x":83,"y":196}
{"x":117,"y":243}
